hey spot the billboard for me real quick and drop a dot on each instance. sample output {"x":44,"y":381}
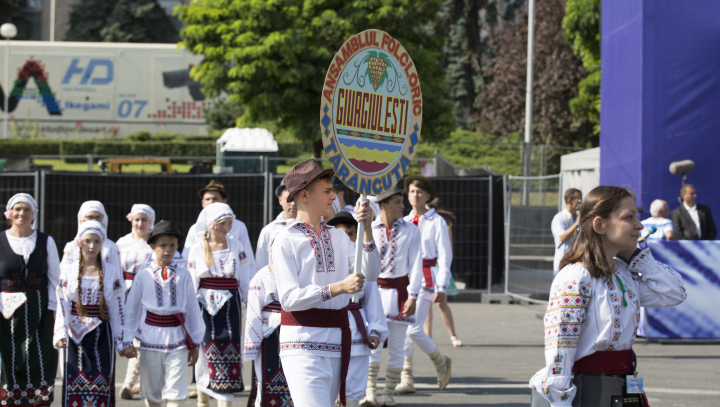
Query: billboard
{"x":90,"y":90}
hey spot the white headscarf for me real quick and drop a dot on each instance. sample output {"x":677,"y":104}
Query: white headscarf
{"x":88,"y":227}
{"x":27,"y":198}
{"x":212,"y":214}
{"x":92,"y":206}
{"x":142,"y":208}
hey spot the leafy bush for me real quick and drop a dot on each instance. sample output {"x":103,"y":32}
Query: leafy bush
{"x":148,"y":148}
{"x":30,"y":147}
{"x":141,"y":135}
{"x":223,"y":114}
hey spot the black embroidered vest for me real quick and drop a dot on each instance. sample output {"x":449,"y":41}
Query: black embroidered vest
{"x":12,"y":266}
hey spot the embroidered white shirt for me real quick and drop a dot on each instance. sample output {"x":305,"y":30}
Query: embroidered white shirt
{"x":695,"y":217}
{"x":229,"y":263}
{"x":260,"y":324}
{"x":267,"y":234}
{"x":401,"y":255}
{"x":133,"y":254}
{"x":238,"y":232}
{"x":173,"y":295}
{"x":24,"y":246}
{"x":586,"y":315}
{"x":435,"y":245}
{"x":306,"y":263}
{"x":373,"y":317}
{"x":110,"y":253}
{"x":75,"y":327}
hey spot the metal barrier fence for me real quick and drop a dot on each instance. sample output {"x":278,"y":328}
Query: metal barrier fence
{"x":532,"y":204}
{"x":477,"y":202}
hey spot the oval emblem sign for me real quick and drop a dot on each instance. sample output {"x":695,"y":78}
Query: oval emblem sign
{"x":371,"y":112}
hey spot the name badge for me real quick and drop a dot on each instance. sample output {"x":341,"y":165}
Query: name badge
{"x":634,"y":384}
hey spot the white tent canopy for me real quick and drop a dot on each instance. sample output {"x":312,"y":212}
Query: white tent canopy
{"x":580,"y":170}
{"x":247,"y":140}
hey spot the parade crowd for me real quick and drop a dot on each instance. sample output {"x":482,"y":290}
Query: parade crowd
{"x":310,"y":343}
{"x":177,"y":314}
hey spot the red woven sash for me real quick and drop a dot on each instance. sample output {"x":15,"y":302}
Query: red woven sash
{"x":93,"y":311}
{"x":326,"y":318}
{"x":273,"y":307}
{"x":400,"y":284}
{"x":219,"y":283}
{"x":427,"y":271}
{"x":354,"y":308}
{"x":166,"y":321}
{"x":128,"y":276}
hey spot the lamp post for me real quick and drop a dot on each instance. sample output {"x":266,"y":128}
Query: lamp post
{"x":7,"y":30}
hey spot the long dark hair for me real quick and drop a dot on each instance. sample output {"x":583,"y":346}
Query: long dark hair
{"x":588,"y":246}
{"x":437,"y":204}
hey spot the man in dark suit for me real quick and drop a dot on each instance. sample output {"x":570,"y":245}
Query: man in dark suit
{"x":692,"y":221}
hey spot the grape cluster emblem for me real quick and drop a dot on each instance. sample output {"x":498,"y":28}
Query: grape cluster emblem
{"x":377,"y":68}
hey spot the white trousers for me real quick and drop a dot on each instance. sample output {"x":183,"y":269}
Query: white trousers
{"x":164,"y":375}
{"x":356,"y":381}
{"x":396,"y":342}
{"x":416,"y":334}
{"x":314,"y":381}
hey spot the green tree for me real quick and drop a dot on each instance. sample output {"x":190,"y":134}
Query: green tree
{"x":12,"y":12}
{"x":272,"y":56}
{"x":582,"y":29}
{"x":120,"y":21}
{"x":223,"y":114}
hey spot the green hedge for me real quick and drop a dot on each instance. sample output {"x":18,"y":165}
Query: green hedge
{"x":29,"y":147}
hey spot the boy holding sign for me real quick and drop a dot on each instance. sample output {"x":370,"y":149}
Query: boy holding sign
{"x":315,"y":268}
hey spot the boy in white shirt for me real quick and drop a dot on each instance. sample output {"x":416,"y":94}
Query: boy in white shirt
{"x":273,"y":228}
{"x":315,"y":268}
{"x":163,"y":312}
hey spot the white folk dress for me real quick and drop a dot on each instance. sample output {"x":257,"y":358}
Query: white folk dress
{"x":586,"y":315}
{"x":435,"y":245}
{"x":267,"y":234}
{"x":219,"y":366}
{"x":262,"y":339}
{"x":89,"y":358}
{"x":110,"y":253}
{"x":238,"y":232}
{"x":133,"y":254}
{"x":306,"y":263}
{"x":401,"y":255}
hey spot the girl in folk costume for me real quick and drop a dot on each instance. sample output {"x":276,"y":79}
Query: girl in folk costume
{"x":93,"y":210}
{"x":594,"y":308}
{"x":262,"y":340}
{"x":221,"y":275}
{"x":436,"y":255}
{"x":29,"y":270}
{"x":399,"y":282}
{"x":134,"y":252}
{"x":89,"y":323}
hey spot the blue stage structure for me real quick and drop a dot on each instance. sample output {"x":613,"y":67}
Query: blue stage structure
{"x":660,"y":94}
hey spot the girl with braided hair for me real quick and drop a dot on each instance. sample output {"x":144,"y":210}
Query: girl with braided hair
{"x":89,"y":322}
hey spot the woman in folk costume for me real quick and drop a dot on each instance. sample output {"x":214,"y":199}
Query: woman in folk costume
{"x":29,"y":270}
{"x":93,"y":210}
{"x":262,"y":340}
{"x":594,"y":308}
{"x":134,"y":253}
{"x":221,"y":274}
{"x":89,"y":323}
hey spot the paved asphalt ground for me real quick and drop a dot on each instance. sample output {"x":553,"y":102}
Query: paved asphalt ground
{"x":503,"y":347}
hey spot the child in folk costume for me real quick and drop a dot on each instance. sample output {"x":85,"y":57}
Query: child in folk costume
{"x":89,"y":323}
{"x":436,"y":253}
{"x":29,"y":270}
{"x":134,"y":252}
{"x":315,"y":266}
{"x":399,"y":282}
{"x":262,"y":341}
{"x":594,"y":307}
{"x":271,"y":229}
{"x":93,"y":210}
{"x":163,"y":312}
{"x":367,"y":323}
{"x":220,"y":272}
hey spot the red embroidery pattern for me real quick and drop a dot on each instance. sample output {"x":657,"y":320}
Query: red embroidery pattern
{"x":388,"y":248}
{"x":326,"y":294}
{"x":321,"y":244}
{"x":159,"y":283}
